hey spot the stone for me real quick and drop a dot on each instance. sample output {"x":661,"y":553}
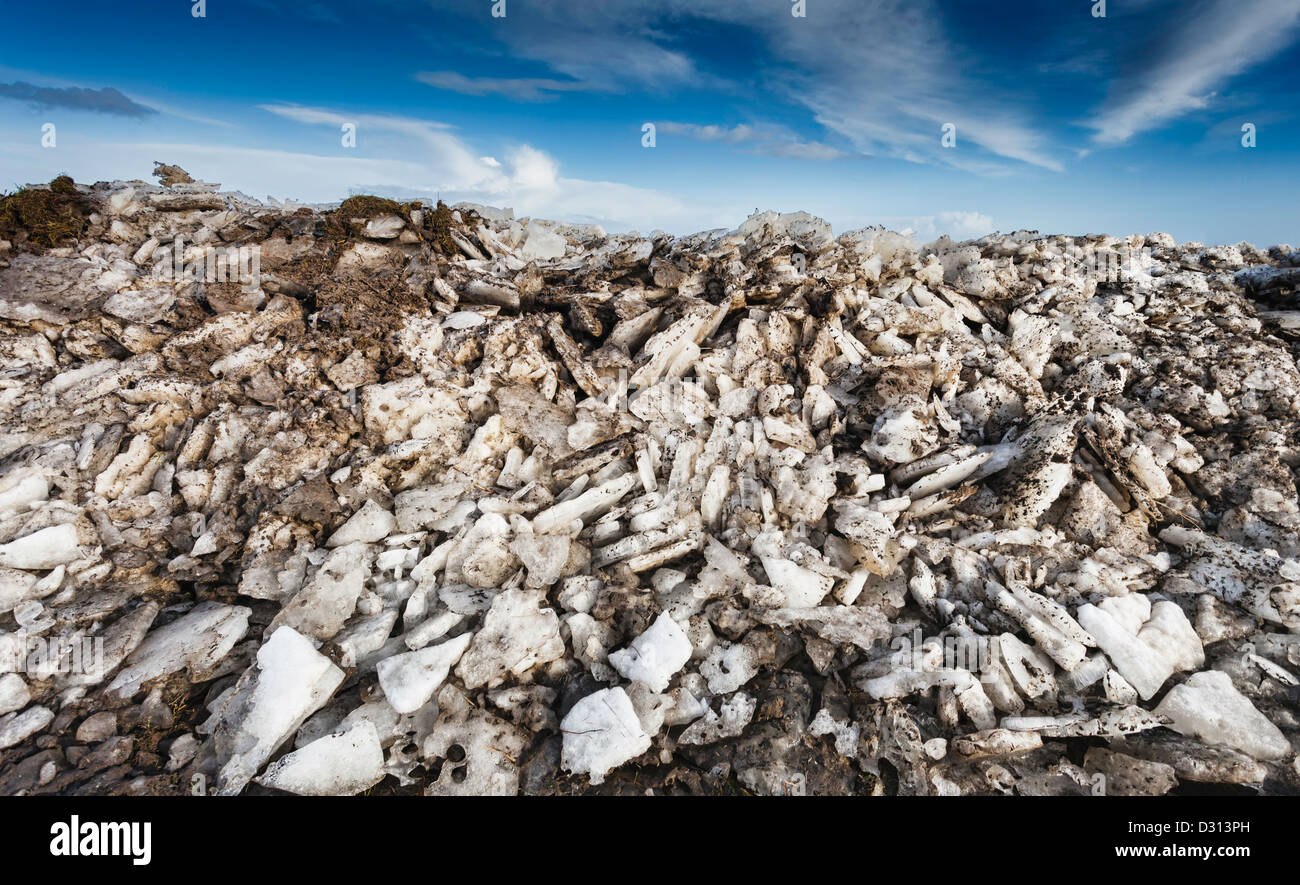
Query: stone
{"x":97,"y":727}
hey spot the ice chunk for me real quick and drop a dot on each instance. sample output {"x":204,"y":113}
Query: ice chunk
{"x":18,"y":493}
{"x":1208,"y":707}
{"x":18,"y":727}
{"x":409,"y":680}
{"x":587,"y":505}
{"x":196,"y":640}
{"x":846,"y":734}
{"x":654,"y":656}
{"x":289,"y":682}
{"x":44,"y":549}
{"x":601,"y":732}
{"x":803,"y":588}
{"x":464,"y":319}
{"x":1169,"y":633}
{"x":369,"y":524}
{"x":545,"y":556}
{"x":183,"y":749}
{"x":517,"y":635}
{"x":480,"y":752}
{"x":320,"y":609}
{"x":1131,"y":611}
{"x":541,"y":243}
{"x":729,"y":666}
{"x":426,"y":506}
{"x":1136,"y":661}
{"x":902,"y":433}
{"x":483,"y":557}
{"x":333,"y":765}
{"x":16,"y":587}
{"x":736,"y":713}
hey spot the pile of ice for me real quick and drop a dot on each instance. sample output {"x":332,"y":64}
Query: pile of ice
{"x":766,"y":510}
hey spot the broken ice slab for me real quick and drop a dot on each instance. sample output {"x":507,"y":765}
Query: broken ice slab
{"x":410,"y":680}
{"x":289,"y":681}
{"x":1208,"y":707}
{"x":602,"y":732}
{"x":42,"y":549}
{"x":334,"y":765}
{"x":195,"y":641}
{"x":654,"y":656}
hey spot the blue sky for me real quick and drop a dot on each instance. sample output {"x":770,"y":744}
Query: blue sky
{"x":1065,"y":122}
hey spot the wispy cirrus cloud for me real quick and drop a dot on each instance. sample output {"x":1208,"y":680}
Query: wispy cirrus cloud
{"x":448,"y":162}
{"x":77,"y":98}
{"x":882,"y":74}
{"x":1207,"y":45}
{"x":530,"y":89}
{"x":765,"y":139}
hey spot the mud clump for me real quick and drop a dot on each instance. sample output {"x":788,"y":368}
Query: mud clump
{"x":45,"y":217}
{"x":441,"y":226}
{"x":365,"y":206}
{"x":368,"y":216}
{"x":170,"y":176}
{"x":63,"y":184}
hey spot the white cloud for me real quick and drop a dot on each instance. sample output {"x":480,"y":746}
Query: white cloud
{"x":881,"y":73}
{"x":766,"y":139}
{"x":608,"y":60}
{"x":964,"y":225}
{"x":534,"y":170}
{"x":732,"y":135}
{"x":529,"y":181}
{"x":518,"y":89}
{"x":958,"y":225}
{"x":449,"y":161}
{"x":1207,"y":46}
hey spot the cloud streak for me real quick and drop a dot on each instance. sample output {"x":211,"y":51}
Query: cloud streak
{"x":77,"y":98}
{"x":528,"y":89}
{"x":880,"y":73}
{"x":765,"y":139}
{"x":1212,"y":42}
